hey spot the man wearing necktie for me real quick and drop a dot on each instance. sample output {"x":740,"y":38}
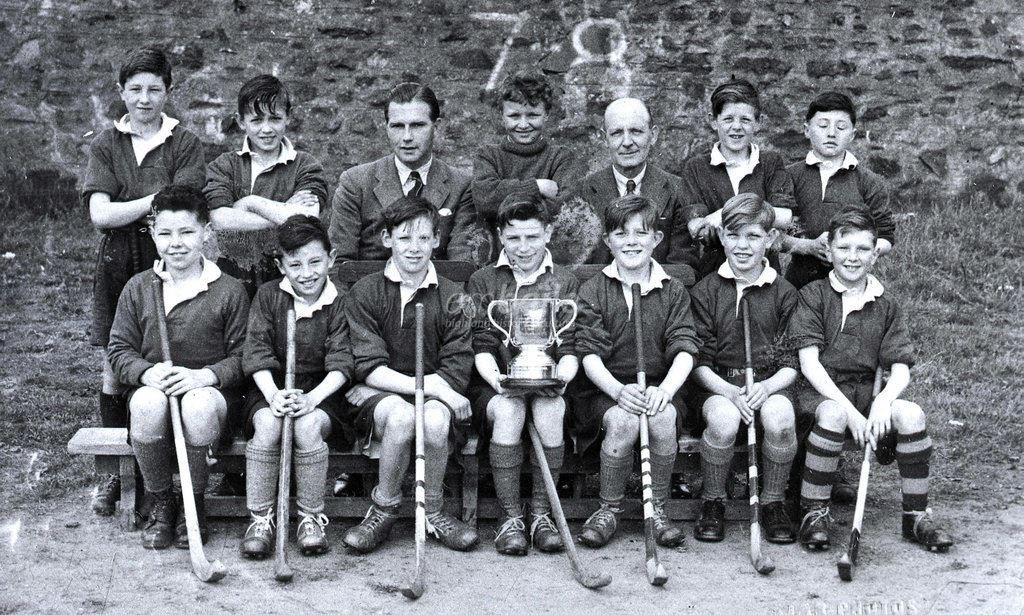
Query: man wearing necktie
{"x":630,"y":134}
{"x":364,"y":191}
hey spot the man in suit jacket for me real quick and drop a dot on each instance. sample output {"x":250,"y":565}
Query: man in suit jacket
{"x":364,"y":191}
{"x":630,"y":135}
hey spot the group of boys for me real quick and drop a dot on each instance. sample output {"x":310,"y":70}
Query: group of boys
{"x":147,"y":189}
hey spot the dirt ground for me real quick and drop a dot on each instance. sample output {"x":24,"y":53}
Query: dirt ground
{"x":61,"y":560}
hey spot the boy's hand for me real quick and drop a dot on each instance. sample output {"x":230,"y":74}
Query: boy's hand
{"x":301,"y":404}
{"x":880,"y":418}
{"x":632,"y":399}
{"x":359,"y":393}
{"x":858,"y":426}
{"x":738,"y":397}
{"x":756,"y":396}
{"x":459,"y":405}
{"x":281,"y":403}
{"x":154,"y":376}
{"x":548,"y":188}
{"x":657,"y":400}
{"x":818,"y":247}
{"x":181,"y":380}
{"x":698,"y":228}
{"x":304,"y":202}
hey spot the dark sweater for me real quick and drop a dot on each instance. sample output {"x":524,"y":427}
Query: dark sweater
{"x":207,"y":331}
{"x":228,"y":178}
{"x":382,"y":337}
{"x":721,"y":331}
{"x":857,"y":187}
{"x":706,"y":187}
{"x":500,"y":170}
{"x":605,"y":328}
{"x":875,"y":335}
{"x":321,"y":341}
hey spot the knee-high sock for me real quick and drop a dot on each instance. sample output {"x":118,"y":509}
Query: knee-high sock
{"x":197,"y":467}
{"x":661,"y":475}
{"x":913,"y":452}
{"x":156,"y":462}
{"x":714,"y":463}
{"x":614,"y":472}
{"x":262,"y":465}
{"x":506,"y":463}
{"x":776,"y":464}
{"x":113,"y":410}
{"x":823,"y":449}
{"x":437,"y":463}
{"x":310,"y":479}
{"x":555,"y":456}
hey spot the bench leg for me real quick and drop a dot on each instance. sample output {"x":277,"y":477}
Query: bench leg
{"x":128,"y":504}
{"x":470,"y":483}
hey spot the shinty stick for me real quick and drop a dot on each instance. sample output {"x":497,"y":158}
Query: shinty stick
{"x":282,"y":571}
{"x":762,"y":562}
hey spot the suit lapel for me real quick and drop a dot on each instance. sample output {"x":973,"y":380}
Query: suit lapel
{"x":654,"y":188}
{"x":436,"y":189}
{"x":387,"y":189}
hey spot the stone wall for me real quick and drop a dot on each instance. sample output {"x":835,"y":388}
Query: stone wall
{"x":938,"y":83}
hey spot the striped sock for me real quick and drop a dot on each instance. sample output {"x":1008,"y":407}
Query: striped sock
{"x":715,"y":462}
{"x":823,"y":449}
{"x":913,"y":450}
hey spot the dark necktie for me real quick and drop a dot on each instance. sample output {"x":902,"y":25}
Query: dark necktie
{"x":417,"y":184}
{"x":630,"y":186}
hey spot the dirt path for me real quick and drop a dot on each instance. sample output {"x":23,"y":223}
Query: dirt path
{"x":55,"y":566}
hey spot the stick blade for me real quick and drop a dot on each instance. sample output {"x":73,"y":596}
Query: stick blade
{"x":283,"y":574}
{"x":845,"y":567}
{"x":414,"y":590}
{"x":656,"y":573}
{"x":595,"y":580}
{"x":764,"y":565}
{"x":209,"y":572}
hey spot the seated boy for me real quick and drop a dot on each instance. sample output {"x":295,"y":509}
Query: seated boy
{"x":827,"y":181}
{"x":523,"y":270}
{"x":258,"y":187}
{"x":845,"y":326}
{"x":323,"y":364}
{"x":525,"y":160}
{"x":734,"y":165}
{"x":606,"y":339}
{"x":381,"y":312}
{"x":128,"y":163}
{"x":206,"y":313}
{"x":746,"y":234}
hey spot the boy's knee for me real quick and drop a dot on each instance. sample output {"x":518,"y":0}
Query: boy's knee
{"x":308,"y":430}
{"x":436,"y":422}
{"x":266,"y":429}
{"x":663,"y":422}
{"x":620,"y":426}
{"x":907,"y":417}
{"x":777,"y":417}
{"x":722,"y":419}
{"x":201,"y":424}
{"x":506,"y":411}
{"x":149,"y":419}
{"x":551,"y":406}
{"x":831,"y":416}
{"x":399,"y":418}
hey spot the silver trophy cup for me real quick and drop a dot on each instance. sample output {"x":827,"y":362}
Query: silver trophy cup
{"x":533,"y":328}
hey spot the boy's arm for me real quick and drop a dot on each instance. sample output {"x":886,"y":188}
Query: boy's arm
{"x":189,"y":160}
{"x":235,"y":315}
{"x":489,"y":188}
{"x":337,"y":358}
{"x":630,"y":397}
{"x":346,"y":219}
{"x":681,"y":340}
{"x":310,"y":178}
{"x":106,"y":214}
{"x":220,"y":194}
{"x":124,"y":348}
{"x":779,"y":191}
{"x":455,"y":357}
{"x":876,"y":195}
{"x":816,"y":374}
{"x":258,"y":350}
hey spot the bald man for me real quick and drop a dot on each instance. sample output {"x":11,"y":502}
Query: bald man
{"x":630,"y":134}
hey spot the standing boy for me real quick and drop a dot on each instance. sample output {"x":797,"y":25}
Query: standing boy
{"x":747,"y":232}
{"x":253,"y":190}
{"x":206,"y":313}
{"x":128,"y":163}
{"x":606,"y":339}
{"x":735,"y":165}
{"x":827,"y":181}
{"x":524,"y":269}
{"x":381,"y":314}
{"x":323,"y":364}
{"x":845,"y":326}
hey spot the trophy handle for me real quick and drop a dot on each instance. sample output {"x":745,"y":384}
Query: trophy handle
{"x":554,"y":316}
{"x":490,"y":317}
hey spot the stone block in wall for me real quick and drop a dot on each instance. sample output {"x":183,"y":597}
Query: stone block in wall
{"x":830,"y":68}
{"x":972,"y":63}
{"x":884,"y":166}
{"x":935,"y":161}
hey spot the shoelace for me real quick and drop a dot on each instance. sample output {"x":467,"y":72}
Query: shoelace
{"x":512,"y":523}
{"x":602,"y":516}
{"x":921,"y":517}
{"x":262,"y":524}
{"x":817,"y":515}
{"x":439,"y":523}
{"x":307,"y":520}
{"x":374,"y":518}
{"x":542,"y":520}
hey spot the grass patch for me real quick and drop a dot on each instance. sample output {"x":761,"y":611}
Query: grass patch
{"x":956,"y":269}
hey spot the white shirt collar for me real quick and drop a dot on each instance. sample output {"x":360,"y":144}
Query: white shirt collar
{"x":546,"y":265}
{"x":142,"y":146}
{"x":404,"y":172}
{"x":286,"y":154}
{"x":657,"y":278}
{"x":407,"y":292}
{"x":179,"y":292}
{"x":736,"y":171}
{"x":304,"y":309}
{"x":855,"y":299}
{"x":767,"y":278}
{"x":849,"y":160}
{"x":620,"y":179}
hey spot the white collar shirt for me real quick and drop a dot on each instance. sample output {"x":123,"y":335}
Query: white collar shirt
{"x":142,"y":146}
{"x":620,"y":180}
{"x":854,"y":299}
{"x":736,"y":171}
{"x":285,"y":155}
{"x":404,"y":172}
{"x":522,"y":279}
{"x":767,"y":278}
{"x":176,"y":293}
{"x":405,"y":291}
{"x":655,"y":279}
{"x":304,"y":309}
{"x":849,"y":162}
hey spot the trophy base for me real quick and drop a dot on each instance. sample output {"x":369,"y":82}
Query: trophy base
{"x":530,"y":383}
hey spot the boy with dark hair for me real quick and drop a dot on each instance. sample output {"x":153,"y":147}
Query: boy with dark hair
{"x":525,"y":160}
{"x":845,"y":327}
{"x":206,"y":313}
{"x":524,"y":269}
{"x":381,"y":314}
{"x":735,"y":165}
{"x":606,"y":339}
{"x":128,"y":163}
{"x":829,"y":180}
{"x":747,"y":232}
{"x":323,"y":365}
{"x":261,"y":185}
